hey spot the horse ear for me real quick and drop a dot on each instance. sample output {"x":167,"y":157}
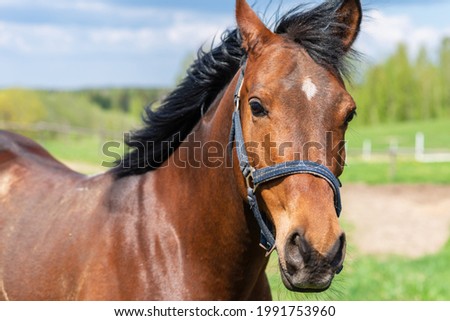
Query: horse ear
{"x":349,"y":16}
{"x":252,"y":29}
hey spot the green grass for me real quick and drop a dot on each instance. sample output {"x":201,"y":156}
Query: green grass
{"x":437,"y":134}
{"x":405,"y":169}
{"x":410,"y":172}
{"x":379,"y":278}
{"x":89,"y":150}
{"x":82,"y":149}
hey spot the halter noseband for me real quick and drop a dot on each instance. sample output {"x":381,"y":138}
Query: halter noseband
{"x":254,"y":177}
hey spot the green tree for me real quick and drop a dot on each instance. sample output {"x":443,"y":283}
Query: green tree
{"x":124,"y":100}
{"x":444,"y":76}
{"x":399,"y":89}
{"x":21,"y":106}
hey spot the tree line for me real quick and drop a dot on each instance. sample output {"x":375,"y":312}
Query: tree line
{"x":402,"y":89}
{"x":96,"y":109}
{"x":397,"y":90}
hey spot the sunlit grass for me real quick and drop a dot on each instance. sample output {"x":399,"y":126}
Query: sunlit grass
{"x":367,"y":277}
{"x":403,"y":172}
{"x":437,"y":134}
{"x":89,"y":150}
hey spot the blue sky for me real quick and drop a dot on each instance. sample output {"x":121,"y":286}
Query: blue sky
{"x":85,"y":43}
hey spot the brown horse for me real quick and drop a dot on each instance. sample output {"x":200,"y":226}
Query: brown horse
{"x":172,"y":220}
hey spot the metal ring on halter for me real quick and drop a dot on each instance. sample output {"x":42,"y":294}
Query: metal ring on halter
{"x":250,"y":180}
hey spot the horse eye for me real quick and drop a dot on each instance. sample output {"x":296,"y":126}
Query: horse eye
{"x":350,"y":117}
{"x":257,"y":109}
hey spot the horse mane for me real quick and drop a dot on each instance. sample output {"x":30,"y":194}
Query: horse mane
{"x":169,"y":124}
{"x":318,"y":32}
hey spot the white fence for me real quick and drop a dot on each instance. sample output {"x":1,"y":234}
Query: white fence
{"x":419,"y":152}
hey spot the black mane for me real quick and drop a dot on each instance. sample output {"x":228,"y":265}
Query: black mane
{"x":168,"y":125}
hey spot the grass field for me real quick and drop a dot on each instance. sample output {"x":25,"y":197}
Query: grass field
{"x":405,"y":172}
{"x":379,"y":278}
{"x":437,"y":135}
{"x":405,"y":169}
{"x":83,"y":150}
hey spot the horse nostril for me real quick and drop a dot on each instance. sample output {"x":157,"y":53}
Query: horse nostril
{"x":300,"y":255}
{"x":297,"y":252}
{"x":337,"y":253}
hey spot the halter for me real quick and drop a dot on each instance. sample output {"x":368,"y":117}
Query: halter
{"x":255,"y":177}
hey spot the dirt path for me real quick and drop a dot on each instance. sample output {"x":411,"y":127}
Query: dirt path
{"x":410,"y":220}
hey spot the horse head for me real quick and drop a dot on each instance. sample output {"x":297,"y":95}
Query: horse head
{"x":293,"y":106}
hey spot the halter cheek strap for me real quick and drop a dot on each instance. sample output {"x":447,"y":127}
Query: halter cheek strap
{"x":255,"y":177}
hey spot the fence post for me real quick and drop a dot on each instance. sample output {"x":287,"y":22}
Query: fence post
{"x":420,"y":146}
{"x":393,"y":152}
{"x":367,"y":150}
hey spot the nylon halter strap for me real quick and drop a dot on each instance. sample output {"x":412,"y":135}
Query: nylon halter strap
{"x":255,"y":177}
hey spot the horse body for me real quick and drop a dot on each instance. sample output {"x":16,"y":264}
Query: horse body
{"x":181,"y":228}
{"x":99,"y":238}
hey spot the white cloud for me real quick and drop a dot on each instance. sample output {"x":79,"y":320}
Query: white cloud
{"x":69,"y":4}
{"x":98,"y":43}
{"x":121,"y":39}
{"x":35,"y":38}
{"x":132,"y":38}
{"x":188,"y":28}
{"x":381,"y":33}
{"x":99,"y":8}
{"x":185,"y":30}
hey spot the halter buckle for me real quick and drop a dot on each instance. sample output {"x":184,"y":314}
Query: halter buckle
{"x":249,"y":179}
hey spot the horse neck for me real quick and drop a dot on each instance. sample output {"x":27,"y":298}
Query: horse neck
{"x":203,"y":164}
{"x":210,"y":194}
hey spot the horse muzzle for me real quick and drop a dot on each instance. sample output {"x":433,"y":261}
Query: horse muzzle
{"x":304,"y":269}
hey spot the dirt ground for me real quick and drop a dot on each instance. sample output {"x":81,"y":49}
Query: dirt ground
{"x":409,"y":220}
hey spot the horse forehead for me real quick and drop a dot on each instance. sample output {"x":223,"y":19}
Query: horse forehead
{"x":289,"y":71}
{"x":311,"y":87}
{"x":294,"y":69}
